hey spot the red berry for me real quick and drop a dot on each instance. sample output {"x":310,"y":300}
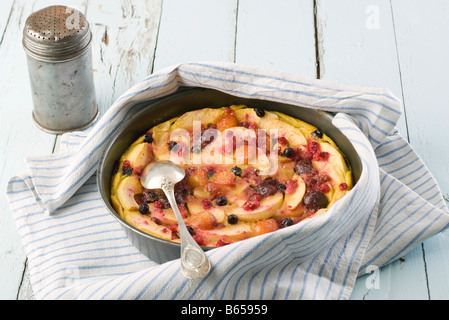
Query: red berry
{"x":206,"y":203}
{"x":158,"y":204}
{"x":283,"y":141}
{"x":251,"y":205}
{"x":343,"y":186}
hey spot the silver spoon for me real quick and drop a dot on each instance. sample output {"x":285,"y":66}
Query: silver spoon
{"x":164,"y":175}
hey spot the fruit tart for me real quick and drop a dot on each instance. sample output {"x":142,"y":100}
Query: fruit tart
{"x":249,"y":172}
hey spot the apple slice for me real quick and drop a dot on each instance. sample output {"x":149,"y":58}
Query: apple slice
{"x":161,"y":135}
{"x":144,"y":223}
{"x":196,"y":207}
{"x":138,"y":155}
{"x":229,"y":233}
{"x":268,"y":207}
{"x":335,"y":157}
{"x":116,"y":205}
{"x":248,"y":114}
{"x":206,"y":116}
{"x":293,"y":134}
{"x":165,"y":216}
{"x":126,"y":190}
{"x":292,"y":200}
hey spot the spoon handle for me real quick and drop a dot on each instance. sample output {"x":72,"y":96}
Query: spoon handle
{"x":194,"y":262}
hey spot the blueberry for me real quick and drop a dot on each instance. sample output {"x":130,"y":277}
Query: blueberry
{"x":260,"y":112}
{"x":237,"y":171}
{"x":171,"y":145}
{"x":127,"y":171}
{"x":233,"y":219}
{"x":210,"y":173}
{"x":317,"y":134}
{"x":288,"y":153}
{"x":281,"y":187}
{"x":196,"y":149}
{"x":314,"y":200}
{"x":148,"y":138}
{"x":221,"y":201}
{"x":143,"y":208}
{"x":191,"y":230}
{"x":286,"y":222}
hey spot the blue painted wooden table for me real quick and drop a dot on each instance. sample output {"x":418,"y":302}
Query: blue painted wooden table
{"x":398,"y":44}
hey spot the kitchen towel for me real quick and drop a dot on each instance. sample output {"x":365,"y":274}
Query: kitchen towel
{"x":77,"y":250}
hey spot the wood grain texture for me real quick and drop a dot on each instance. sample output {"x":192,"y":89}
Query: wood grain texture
{"x":358,"y":46}
{"x":202,"y":30}
{"x":20,"y":137}
{"x":422,"y":31}
{"x":398,"y":44}
{"x":124,"y":40}
{"x":277,"y":35}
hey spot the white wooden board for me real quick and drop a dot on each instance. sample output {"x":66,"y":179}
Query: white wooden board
{"x":357,"y":46}
{"x":422,"y":32}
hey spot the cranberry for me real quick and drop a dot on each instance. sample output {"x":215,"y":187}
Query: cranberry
{"x":314,"y":200}
{"x":158,"y":204}
{"x":291,"y":186}
{"x":324,"y":188}
{"x":303,"y":166}
{"x":343,"y":186}
{"x":251,"y":205}
{"x":206,"y":203}
{"x":282,"y":141}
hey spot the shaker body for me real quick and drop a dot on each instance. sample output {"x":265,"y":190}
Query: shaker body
{"x":63,"y":93}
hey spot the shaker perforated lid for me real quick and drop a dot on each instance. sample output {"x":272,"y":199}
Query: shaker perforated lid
{"x":56,"y":33}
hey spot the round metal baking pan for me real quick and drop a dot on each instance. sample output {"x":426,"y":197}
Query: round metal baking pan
{"x":187,"y":99}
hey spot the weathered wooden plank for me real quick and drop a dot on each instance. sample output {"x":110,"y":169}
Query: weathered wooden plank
{"x":20,"y":137}
{"x":124,"y":40}
{"x":4,"y":16}
{"x":421,"y":31}
{"x":278,"y":35}
{"x":357,"y":46}
{"x":396,"y":281}
{"x":202,"y":30}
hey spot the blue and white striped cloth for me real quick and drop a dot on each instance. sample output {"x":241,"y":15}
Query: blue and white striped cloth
{"x":76,"y":250}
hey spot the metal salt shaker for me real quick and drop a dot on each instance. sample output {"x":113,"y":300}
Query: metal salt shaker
{"x":57,"y":40}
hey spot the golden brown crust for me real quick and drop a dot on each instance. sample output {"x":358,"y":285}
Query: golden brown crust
{"x":248,"y":172}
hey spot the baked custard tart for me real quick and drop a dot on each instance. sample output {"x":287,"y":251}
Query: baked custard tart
{"x":248,"y":172}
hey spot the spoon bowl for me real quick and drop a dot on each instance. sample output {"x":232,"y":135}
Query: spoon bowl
{"x":164,"y":175}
